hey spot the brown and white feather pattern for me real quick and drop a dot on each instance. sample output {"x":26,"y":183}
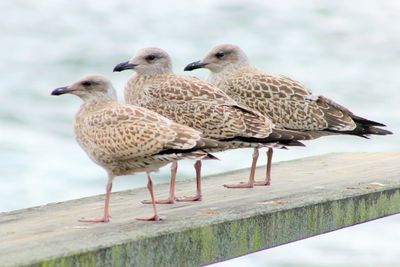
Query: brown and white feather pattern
{"x":195,"y":103}
{"x":286,"y":102}
{"x":126,"y":139}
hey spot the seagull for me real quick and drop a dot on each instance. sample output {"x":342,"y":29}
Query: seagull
{"x":286,"y":102}
{"x":125,"y":139}
{"x":198,"y":104}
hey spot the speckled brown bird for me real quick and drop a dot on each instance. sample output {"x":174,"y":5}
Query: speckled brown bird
{"x":125,"y":139}
{"x":286,"y":102}
{"x":195,"y":103}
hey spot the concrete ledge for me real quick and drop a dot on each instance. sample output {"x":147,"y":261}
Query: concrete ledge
{"x":308,"y":197}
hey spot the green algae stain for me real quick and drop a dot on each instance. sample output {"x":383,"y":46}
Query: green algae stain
{"x":206,"y":238}
{"x":115,"y":255}
{"x":49,"y":263}
{"x":88,"y":259}
{"x":244,"y":239}
{"x":256,"y":239}
{"x":63,"y":262}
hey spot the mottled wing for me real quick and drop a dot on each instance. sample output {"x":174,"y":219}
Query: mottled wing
{"x":268,"y":85}
{"x":338,"y":117}
{"x":287,"y":102}
{"x":186,"y":88}
{"x":123,"y":132}
{"x":216,"y":121}
{"x":195,"y":103}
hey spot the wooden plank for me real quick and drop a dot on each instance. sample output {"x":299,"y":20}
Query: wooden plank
{"x":308,"y":197}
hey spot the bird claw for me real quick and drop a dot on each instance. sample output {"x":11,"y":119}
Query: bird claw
{"x":104,"y":219}
{"x":240,"y":185}
{"x":191,"y":198}
{"x":262,"y":183}
{"x":160,"y":201}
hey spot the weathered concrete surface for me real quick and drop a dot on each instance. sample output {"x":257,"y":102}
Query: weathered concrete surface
{"x":308,"y":197}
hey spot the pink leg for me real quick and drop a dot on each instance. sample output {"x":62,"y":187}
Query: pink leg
{"x":171,"y":198}
{"x":250,"y":183}
{"x":154,"y":217}
{"x":267,"y":180}
{"x":106,"y":217}
{"x":198,"y":196}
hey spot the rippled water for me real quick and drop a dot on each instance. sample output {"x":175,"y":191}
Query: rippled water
{"x":348,"y":51}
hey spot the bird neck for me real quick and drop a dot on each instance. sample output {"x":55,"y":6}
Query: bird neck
{"x":216,"y":78}
{"x":96,"y":103}
{"x":110,"y":95}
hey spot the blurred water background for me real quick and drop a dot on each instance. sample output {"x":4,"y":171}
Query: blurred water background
{"x":349,"y":51}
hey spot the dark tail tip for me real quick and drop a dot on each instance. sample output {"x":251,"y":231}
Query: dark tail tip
{"x":377,"y":131}
{"x":210,"y":157}
{"x":292,"y":143}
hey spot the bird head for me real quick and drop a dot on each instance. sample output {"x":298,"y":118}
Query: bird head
{"x":220,"y":58}
{"x":89,"y":87}
{"x":147,"y":61}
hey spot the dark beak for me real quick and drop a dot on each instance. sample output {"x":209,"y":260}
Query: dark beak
{"x":195,"y":65}
{"x":60,"y":91}
{"x":124,"y":66}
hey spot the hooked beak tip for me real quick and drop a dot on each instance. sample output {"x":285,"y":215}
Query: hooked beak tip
{"x":60,"y":91}
{"x":195,"y":65}
{"x":124,"y":66}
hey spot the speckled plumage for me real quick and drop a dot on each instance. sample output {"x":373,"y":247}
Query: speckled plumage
{"x":195,"y":103}
{"x":288,"y":103}
{"x":125,"y":139}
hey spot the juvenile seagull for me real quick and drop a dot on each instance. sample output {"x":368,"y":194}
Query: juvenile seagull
{"x":192,"y":102}
{"x":124,"y":139}
{"x":286,"y":102}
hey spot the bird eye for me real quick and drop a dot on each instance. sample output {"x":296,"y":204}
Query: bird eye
{"x":86,"y":83}
{"x":219,"y":55}
{"x":150,"y":57}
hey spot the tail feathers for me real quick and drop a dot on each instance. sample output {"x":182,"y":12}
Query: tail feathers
{"x":209,"y":156}
{"x":193,"y":153}
{"x":284,"y":134}
{"x":367,"y":127}
{"x":364,"y":127}
{"x":376,"y":131}
{"x":291,"y":143}
{"x":366,"y":122}
{"x":364,"y":131}
{"x":282,"y":144}
{"x":207,"y":143}
{"x":278,"y":136}
{"x":200,"y":155}
{"x":198,"y":151}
